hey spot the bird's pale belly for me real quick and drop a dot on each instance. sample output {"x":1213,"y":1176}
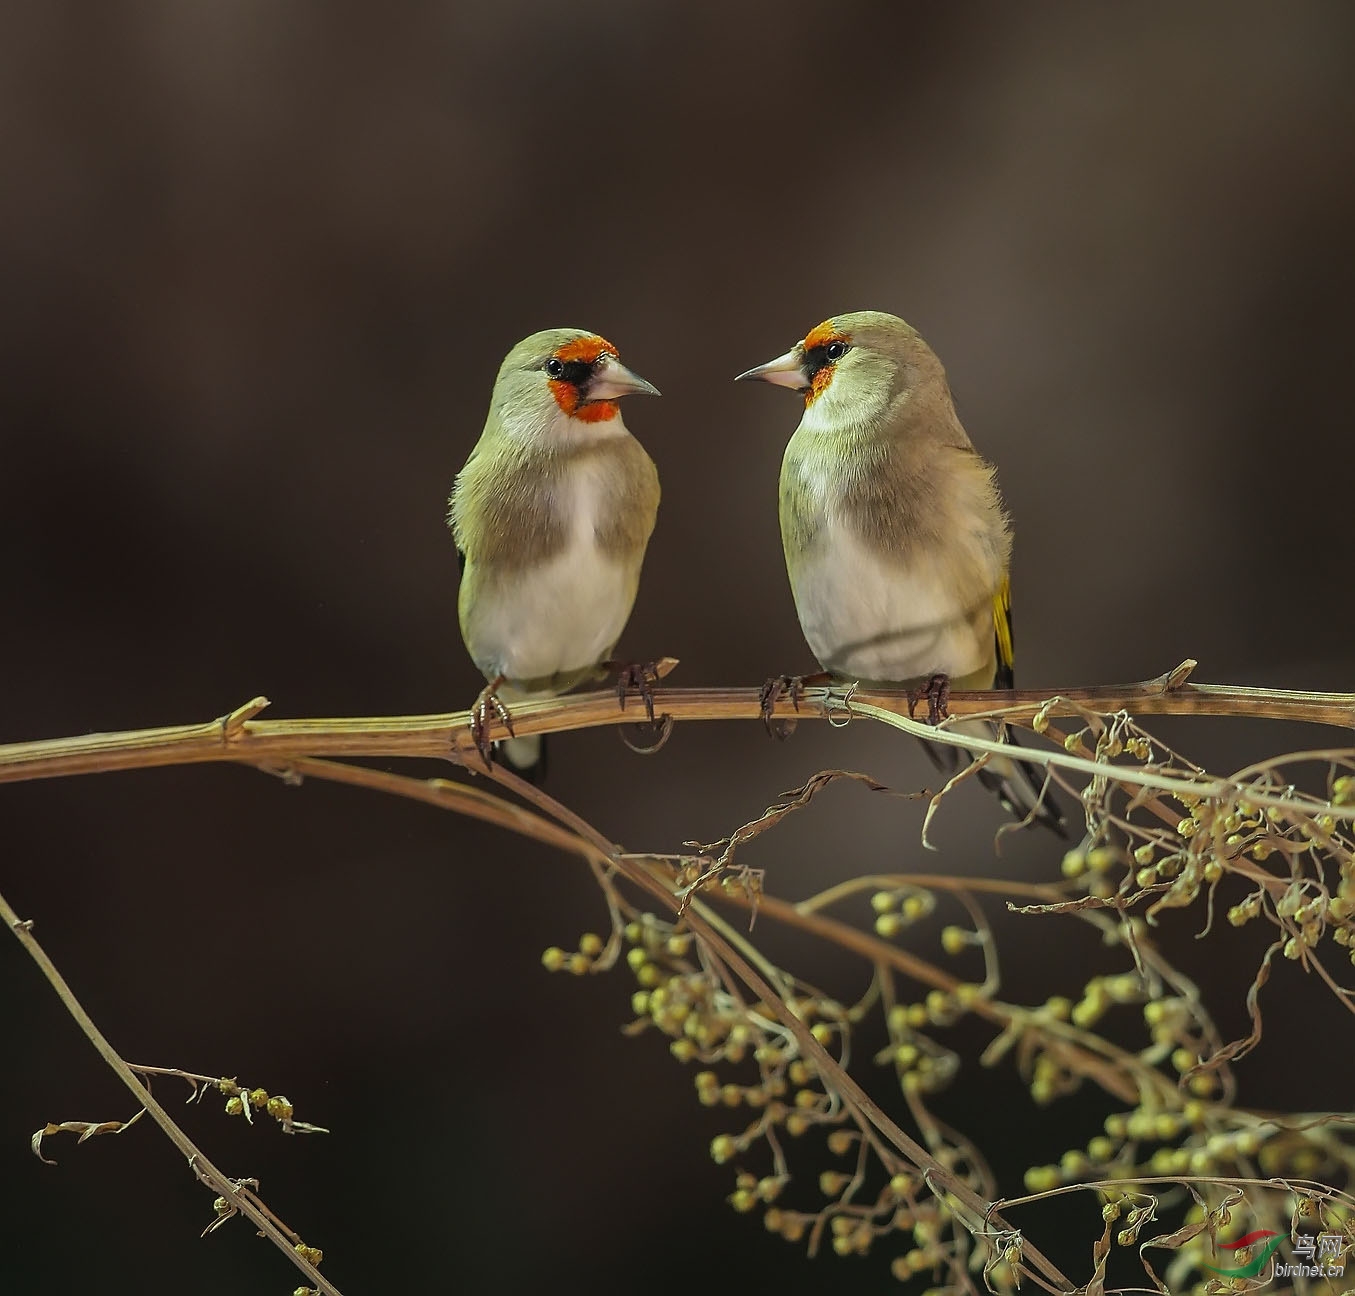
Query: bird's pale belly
{"x":874,"y":620}
{"x":561,"y":617}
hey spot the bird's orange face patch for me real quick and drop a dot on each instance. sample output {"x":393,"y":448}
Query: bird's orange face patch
{"x":587,"y":351}
{"x":822,"y":335}
{"x":822,"y":368}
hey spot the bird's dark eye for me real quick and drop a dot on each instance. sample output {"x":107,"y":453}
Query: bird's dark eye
{"x":555,"y":367}
{"x":835,"y":350}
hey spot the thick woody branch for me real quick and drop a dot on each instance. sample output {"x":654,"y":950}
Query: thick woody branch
{"x":240,"y":737}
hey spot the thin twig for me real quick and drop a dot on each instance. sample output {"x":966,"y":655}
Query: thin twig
{"x":241,"y":1199}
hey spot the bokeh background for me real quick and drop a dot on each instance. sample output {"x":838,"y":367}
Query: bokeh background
{"x":258,"y":265}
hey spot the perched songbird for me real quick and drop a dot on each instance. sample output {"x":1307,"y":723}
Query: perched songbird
{"x":551,"y":516}
{"x":896,"y":541}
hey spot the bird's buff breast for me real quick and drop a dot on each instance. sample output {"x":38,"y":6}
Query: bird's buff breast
{"x":871,"y":619}
{"x":870,"y":615}
{"x":557,"y":618}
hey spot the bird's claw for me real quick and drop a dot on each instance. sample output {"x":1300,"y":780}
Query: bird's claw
{"x":640,"y":676}
{"x":937,"y":693}
{"x":779,"y":686}
{"x":794,"y":687}
{"x":480,"y":720}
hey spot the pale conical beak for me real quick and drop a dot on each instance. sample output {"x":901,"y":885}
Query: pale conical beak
{"x":610,"y":379}
{"x":785,"y":371}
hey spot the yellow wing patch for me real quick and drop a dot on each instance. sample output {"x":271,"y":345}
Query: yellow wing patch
{"x":1002,"y":625}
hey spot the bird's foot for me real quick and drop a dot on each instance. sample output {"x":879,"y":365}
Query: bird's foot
{"x":642,"y":677}
{"x":786,"y":686}
{"x":488,"y":706}
{"x":937,"y":693}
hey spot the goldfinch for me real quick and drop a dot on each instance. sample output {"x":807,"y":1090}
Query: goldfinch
{"x":896,"y":541}
{"x":551,"y":516}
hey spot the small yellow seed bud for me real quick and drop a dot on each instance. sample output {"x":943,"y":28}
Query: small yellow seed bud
{"x":832,"y":1182}
{"x":940,"y":1007}
{"x":1074,"y":864}
{"x":954,"y":940}
{"x":722,"y":1149}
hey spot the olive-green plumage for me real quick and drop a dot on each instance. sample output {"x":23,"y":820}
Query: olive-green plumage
{"x":897,"y":544}
{"x":552,"y":514}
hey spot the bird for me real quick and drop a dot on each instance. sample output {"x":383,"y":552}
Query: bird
{"x":551,"y":515}
{"x":897,"y":542}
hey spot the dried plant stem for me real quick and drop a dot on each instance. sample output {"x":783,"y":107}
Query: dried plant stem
{"x":238,"y":1197}
{"x":941,"y":1179}
{"x":295,"y":749}
{"x":587,"y":841}
{"x":240,"y":737}
{"x":1115,"y":1072}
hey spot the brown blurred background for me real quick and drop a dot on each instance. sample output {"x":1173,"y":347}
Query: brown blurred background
{"x":258,"y":265}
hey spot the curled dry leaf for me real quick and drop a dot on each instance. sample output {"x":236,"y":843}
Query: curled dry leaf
{"x":84,"y":1129}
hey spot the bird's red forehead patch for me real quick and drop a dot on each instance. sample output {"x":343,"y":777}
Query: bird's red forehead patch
{"x":823,"y":334}
{"x":587,"y":349}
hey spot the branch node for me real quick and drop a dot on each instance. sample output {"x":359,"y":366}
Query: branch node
{"x":1174,"y":679}
{"x":664,"y":666}
{"x":233,"y":725}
